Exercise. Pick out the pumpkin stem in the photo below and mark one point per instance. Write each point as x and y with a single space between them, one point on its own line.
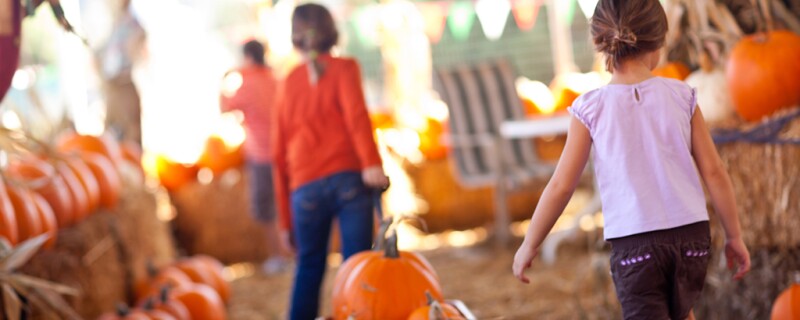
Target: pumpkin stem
164 294
380 238
149 304
123 309
152 271
391 250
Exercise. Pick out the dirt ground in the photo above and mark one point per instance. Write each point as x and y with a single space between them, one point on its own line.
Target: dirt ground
576 286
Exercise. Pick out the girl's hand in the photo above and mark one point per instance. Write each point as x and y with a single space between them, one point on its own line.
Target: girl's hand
285 243
737 255
374 177
523 260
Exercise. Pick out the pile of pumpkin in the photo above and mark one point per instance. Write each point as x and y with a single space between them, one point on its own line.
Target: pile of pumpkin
44 188
218 156
190 289
387 283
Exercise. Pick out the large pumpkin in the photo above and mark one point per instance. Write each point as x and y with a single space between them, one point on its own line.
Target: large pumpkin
10 26
387 284
45 181
202 301
48 219
107 178
674 70
763 74
29 224
219 156
8 220
787 305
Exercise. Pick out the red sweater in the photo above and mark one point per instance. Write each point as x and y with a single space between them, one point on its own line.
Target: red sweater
320 129
255 98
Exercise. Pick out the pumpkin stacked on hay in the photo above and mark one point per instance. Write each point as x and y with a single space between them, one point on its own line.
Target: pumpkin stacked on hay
91 201
748 90
386 283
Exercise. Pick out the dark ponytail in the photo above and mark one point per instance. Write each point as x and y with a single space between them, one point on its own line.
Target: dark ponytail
624 29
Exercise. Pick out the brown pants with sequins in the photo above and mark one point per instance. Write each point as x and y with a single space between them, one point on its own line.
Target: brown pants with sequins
660 274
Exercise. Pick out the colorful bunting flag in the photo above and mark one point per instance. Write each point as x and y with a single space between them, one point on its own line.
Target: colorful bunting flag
525 13
493 16
587 6
461 19
434 15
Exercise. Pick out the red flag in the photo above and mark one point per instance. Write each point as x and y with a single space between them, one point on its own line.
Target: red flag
434 15
525 13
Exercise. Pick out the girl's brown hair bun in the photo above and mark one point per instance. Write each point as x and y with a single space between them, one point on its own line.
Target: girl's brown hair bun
624 29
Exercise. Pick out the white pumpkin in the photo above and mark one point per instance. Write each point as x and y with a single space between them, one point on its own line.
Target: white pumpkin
713 96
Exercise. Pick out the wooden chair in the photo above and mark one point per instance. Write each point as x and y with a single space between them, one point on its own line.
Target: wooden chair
480 98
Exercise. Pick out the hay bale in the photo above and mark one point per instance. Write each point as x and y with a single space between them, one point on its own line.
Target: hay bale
102 255
214 219
766 179
752 297
453 207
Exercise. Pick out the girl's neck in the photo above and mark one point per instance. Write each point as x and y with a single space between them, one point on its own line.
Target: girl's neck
631 72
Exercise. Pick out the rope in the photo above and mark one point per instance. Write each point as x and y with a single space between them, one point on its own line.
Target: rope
767 132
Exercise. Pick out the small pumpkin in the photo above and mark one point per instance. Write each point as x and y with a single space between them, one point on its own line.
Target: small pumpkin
216 270
713 96
48 219
107 178
787 305
29 223
372 282
763 73
151 286
87 180
124 312
436 310
219 156
155 314
44 181
198 272
172 306
430 140
8 219
674 70
174 175
202 301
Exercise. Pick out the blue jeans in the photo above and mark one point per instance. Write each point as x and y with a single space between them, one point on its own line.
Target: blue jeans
314 206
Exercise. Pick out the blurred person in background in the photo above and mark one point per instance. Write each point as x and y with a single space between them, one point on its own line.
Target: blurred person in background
251 90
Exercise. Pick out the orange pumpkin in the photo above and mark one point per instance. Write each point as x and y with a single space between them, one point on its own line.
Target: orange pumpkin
29 224
123 312
202 301
8 219
172 306
219 156
107 178
430 140
168 277
173 175
47 183
763 74
48 219
674 70
381 120
105 145
80 200
155 314
197 272
436 310
215 269
373 282
564 98
87 181
787 305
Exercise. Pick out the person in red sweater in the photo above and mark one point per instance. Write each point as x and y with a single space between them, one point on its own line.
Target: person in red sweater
255 98
325 157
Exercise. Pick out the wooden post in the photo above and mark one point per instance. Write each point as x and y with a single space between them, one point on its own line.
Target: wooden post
560 38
